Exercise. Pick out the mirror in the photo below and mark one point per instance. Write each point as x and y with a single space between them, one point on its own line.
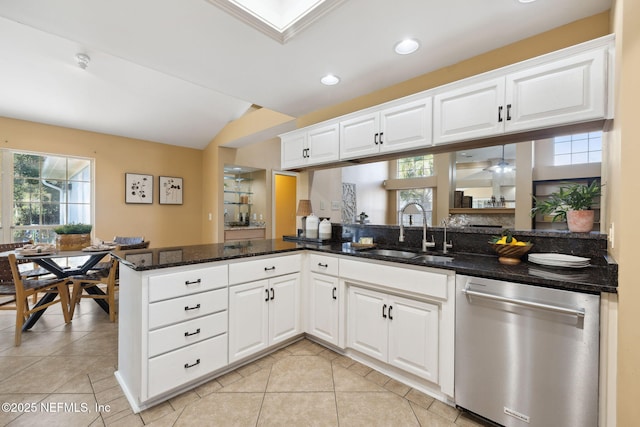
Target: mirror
245 200
348 191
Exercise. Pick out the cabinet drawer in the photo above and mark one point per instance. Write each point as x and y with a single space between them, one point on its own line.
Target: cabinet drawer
323 264
186 308
186 282
248 271
185 333
187 364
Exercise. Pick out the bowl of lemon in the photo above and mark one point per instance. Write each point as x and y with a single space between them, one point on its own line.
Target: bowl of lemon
509 249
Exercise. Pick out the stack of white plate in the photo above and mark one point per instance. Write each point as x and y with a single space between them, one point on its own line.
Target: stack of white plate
559 260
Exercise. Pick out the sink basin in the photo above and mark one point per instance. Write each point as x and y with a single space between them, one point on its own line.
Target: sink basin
392 253
432 258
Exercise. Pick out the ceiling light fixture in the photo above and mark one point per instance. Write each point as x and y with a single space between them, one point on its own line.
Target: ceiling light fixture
83 60
502 166
406 46
330 80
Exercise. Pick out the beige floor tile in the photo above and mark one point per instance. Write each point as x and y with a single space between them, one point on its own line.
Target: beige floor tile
305 348
107 396
444 410
224 409
105 383
76 384
328 354
7 416
280 354
64 410
343 361
168 420
254 383
156 412
266 362
377 377
346 380
92 344
184 399
374 409
89 323
301 373
298 409
132 420
42 344
45 376
229 378
208 388
465 421
430 419
249 369
116 408
419 398
360 369
397 387
10 365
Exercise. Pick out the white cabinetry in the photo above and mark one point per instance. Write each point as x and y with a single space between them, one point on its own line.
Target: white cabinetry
324 293
264 304
311 146
396 330
552 93
404 126
173 329
402 316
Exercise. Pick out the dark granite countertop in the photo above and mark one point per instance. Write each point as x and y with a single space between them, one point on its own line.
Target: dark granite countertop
601 276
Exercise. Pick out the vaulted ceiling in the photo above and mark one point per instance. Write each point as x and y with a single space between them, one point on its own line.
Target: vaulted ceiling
177 72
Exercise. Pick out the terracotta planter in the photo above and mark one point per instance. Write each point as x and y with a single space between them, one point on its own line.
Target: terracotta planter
73 242
580 221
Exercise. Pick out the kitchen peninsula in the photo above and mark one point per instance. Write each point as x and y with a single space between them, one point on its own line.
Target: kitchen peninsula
193 311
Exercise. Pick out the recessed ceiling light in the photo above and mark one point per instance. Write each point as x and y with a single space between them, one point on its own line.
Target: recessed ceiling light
330 80
406 46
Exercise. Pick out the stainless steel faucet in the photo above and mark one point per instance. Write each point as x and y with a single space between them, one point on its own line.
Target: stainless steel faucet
425 244
445 245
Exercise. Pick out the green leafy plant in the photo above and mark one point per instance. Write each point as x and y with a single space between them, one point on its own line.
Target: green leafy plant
73 229
573 197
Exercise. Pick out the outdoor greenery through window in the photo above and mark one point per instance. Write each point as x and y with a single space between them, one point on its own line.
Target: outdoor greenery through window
578 148
46 191
415 167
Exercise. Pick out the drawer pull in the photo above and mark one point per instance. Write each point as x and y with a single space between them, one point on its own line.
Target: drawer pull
323 265
187 308
272 268
273 293
188 334
187 366
333 293
194 282
267 298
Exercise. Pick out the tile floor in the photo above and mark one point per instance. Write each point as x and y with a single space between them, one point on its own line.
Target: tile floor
65 373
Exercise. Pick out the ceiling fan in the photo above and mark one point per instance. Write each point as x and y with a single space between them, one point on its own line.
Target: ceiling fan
502 166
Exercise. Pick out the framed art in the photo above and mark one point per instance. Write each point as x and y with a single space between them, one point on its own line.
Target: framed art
170 190
138 188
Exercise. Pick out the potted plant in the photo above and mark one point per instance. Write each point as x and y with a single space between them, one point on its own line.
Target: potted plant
73 237
572 203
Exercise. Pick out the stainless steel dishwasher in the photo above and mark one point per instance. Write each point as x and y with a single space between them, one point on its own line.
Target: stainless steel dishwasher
526 355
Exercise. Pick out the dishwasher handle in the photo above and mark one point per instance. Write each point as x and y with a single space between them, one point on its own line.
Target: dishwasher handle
571 311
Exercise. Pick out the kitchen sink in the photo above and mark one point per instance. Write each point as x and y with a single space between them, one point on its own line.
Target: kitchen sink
393 253
432 258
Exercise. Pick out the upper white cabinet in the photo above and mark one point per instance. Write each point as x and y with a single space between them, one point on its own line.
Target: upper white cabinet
563 91
404 126
311 146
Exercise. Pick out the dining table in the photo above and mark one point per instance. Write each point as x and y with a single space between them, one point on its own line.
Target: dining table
47 260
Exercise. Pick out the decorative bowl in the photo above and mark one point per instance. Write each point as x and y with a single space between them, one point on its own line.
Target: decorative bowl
510 254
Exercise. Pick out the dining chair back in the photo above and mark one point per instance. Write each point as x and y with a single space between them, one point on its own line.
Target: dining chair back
53 291
90 283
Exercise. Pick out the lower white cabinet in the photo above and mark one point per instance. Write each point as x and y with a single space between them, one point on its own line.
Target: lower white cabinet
396 330
323 307
263 313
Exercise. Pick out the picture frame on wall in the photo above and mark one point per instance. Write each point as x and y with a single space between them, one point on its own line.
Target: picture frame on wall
170 190
138 188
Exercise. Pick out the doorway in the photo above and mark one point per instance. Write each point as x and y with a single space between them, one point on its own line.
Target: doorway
284 204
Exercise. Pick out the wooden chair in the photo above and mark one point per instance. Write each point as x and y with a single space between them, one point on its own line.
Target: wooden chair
90 282
19 289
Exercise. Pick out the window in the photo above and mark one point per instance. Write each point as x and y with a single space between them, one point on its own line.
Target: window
577 149
45 191
415 167
410 168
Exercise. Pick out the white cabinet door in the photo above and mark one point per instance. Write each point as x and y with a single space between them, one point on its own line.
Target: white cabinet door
293 150
284 307
323 144
367 322
469 112
359 136
248 319
323 307
406 126
565 91
413 337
